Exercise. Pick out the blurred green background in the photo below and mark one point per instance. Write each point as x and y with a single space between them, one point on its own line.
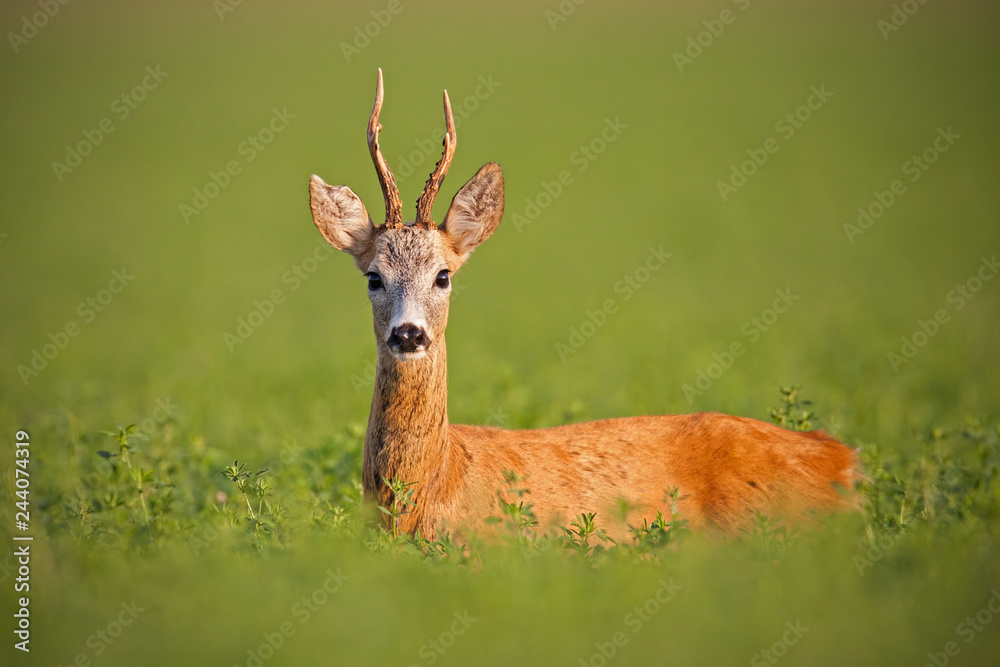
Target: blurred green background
299 381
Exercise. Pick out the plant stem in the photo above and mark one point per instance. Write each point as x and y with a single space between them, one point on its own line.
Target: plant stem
249 506
138 484
145 512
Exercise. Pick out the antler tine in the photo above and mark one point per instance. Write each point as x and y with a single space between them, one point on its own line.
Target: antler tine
393 205
425 203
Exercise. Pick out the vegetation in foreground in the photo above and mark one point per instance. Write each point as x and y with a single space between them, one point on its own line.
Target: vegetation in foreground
225 530
130 512
145 494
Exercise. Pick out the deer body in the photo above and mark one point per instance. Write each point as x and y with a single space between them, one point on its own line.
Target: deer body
724 467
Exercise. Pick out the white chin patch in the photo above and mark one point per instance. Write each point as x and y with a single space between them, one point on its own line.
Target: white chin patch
409 356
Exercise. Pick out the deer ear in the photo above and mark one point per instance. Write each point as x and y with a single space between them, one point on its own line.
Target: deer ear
476 210
341 217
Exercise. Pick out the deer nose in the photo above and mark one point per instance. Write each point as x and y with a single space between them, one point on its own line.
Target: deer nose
408 338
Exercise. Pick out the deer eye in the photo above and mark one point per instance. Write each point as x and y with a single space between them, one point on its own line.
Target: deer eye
374 281
442 279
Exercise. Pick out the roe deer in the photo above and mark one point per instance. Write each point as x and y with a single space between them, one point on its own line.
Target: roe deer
724 467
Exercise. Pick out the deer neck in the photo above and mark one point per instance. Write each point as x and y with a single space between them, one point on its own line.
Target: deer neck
407 434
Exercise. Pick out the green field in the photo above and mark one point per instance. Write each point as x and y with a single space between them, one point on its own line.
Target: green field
160 268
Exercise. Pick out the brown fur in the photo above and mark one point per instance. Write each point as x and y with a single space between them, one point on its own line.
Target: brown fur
724 467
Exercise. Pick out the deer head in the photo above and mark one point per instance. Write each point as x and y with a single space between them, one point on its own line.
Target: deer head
409 266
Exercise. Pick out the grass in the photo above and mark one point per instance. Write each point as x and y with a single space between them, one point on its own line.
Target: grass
217 489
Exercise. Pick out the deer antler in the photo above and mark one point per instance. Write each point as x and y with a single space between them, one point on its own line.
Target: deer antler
393 205
426 202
